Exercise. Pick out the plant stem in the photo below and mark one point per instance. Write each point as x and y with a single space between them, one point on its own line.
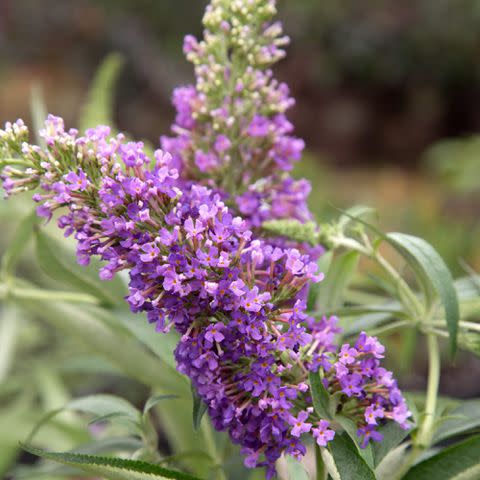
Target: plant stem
426 428
406 295
53 295
462 324
470 326
390 327
8 290
408 298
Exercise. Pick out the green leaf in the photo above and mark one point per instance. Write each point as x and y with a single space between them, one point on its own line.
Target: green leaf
464 418
364 318
103 405
293 229
17 293
161 345
433 275
176 420
351 430
470 341
324 263
98 109
124 352
393 435
107 418
296 471
152 401
468 287
352 216
9 331
329 465
111 468
392 463
349 463
332 290
88 364
56 263
320 396
47 470
18 244
199 409
460 462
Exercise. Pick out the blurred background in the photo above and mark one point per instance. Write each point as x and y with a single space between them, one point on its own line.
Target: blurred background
388 97
387 92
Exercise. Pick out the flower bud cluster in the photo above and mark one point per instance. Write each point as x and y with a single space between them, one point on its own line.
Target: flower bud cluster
231 131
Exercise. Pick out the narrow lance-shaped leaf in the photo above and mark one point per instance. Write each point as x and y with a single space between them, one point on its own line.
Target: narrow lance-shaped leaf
18 244
161 345
351 216
46 471
103 407
351 430
199 409
332 290
152 401
52 259
121 350
393 435
349 463
320 396
433 274
9 331
111 468
108 418
324 263
460 462
463 418
296 470
98 109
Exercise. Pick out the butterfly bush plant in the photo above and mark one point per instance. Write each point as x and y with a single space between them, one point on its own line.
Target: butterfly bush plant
218 246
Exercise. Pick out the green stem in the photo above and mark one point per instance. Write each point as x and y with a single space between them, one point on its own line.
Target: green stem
14 161
470 326
54 295
408 298
389 328
439 333
406 295
426 428
462 324
15 292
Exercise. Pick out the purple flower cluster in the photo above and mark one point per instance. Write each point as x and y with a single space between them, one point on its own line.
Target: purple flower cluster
371 393
238 301
231 131
185 224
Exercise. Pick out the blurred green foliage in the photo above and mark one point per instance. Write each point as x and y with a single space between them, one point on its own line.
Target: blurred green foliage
457 163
